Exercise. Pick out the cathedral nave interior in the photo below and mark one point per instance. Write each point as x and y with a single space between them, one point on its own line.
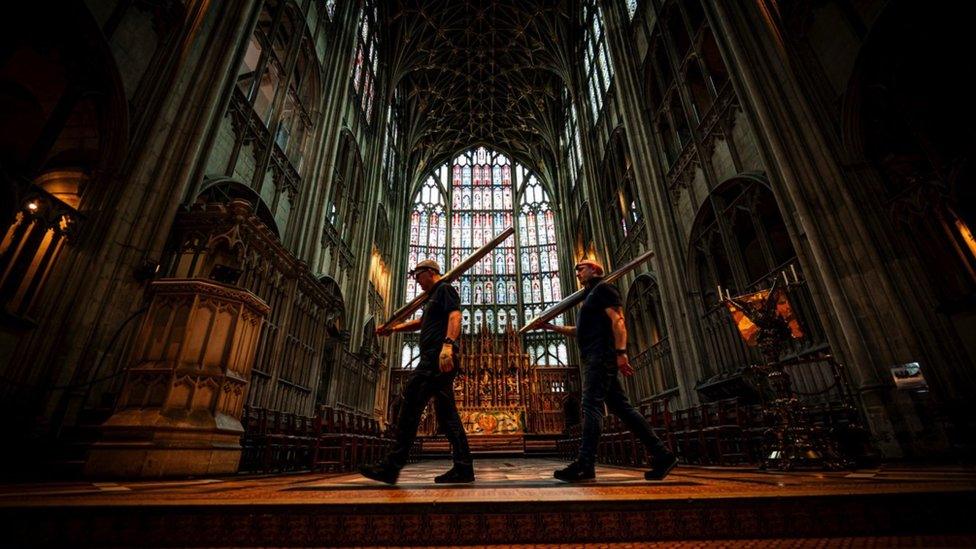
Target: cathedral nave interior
208 209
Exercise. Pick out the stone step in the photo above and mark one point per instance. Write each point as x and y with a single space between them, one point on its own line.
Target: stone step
383 522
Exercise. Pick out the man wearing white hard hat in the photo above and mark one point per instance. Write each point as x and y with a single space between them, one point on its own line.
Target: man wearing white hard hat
440 327
601 334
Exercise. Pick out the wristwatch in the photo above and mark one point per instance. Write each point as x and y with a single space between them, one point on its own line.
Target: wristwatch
620 351
449 341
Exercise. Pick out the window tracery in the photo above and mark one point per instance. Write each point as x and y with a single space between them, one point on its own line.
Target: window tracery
487 193
365 62
597 71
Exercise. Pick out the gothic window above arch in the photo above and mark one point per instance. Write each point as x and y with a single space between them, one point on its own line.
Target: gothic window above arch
648 339
391 151
365 62
263 76
488 193
347 189
597 69
619 192
295 127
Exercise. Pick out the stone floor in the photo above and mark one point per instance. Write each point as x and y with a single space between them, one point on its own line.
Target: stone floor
513 500
511 479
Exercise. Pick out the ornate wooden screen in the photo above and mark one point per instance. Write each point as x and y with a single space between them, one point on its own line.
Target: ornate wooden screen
500 392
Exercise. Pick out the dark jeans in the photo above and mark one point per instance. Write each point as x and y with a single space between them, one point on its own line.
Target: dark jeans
428 382
602 385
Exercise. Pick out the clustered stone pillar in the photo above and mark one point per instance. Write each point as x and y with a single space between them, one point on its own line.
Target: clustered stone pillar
180 409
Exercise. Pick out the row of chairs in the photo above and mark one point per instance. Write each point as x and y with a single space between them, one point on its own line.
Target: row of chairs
276 441
332 440
724 432
347 440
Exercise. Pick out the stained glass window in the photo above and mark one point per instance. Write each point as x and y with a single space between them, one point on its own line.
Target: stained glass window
541 280
631 8
485 176
488 193
428 231
596 58
391 155
571 145
365 63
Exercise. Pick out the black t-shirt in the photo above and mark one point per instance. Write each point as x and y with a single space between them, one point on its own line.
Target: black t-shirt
594 332
433 325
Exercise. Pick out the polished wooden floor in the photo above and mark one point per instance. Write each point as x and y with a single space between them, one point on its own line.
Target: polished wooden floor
512 501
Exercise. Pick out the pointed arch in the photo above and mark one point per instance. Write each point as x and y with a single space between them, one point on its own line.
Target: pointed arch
648 341
221 190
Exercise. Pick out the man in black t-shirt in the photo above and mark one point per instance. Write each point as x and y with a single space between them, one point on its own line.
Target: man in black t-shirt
601 333
440 327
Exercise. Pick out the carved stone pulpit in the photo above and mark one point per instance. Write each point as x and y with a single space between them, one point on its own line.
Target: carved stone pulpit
180 409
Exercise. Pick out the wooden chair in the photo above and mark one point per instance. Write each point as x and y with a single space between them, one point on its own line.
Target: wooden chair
723 432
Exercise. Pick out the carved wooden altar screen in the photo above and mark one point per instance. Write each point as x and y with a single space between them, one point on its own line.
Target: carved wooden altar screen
500 392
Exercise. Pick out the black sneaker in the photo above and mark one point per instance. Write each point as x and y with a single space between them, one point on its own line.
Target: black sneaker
576 472
382 472
661 466
459 474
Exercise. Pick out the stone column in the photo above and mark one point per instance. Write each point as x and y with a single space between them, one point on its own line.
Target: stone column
865 319
180 408
663 233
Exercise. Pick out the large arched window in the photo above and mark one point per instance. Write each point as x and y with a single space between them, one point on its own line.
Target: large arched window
597 70
482 206
262 76
487 193
365 63
571 144
428 231
540 267
620 196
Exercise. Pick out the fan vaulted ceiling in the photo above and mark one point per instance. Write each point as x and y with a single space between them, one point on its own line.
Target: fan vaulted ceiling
480 72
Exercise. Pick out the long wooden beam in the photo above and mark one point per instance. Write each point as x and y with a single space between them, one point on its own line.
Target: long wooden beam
404 312
576 297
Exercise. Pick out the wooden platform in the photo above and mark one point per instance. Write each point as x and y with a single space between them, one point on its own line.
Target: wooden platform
513 501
